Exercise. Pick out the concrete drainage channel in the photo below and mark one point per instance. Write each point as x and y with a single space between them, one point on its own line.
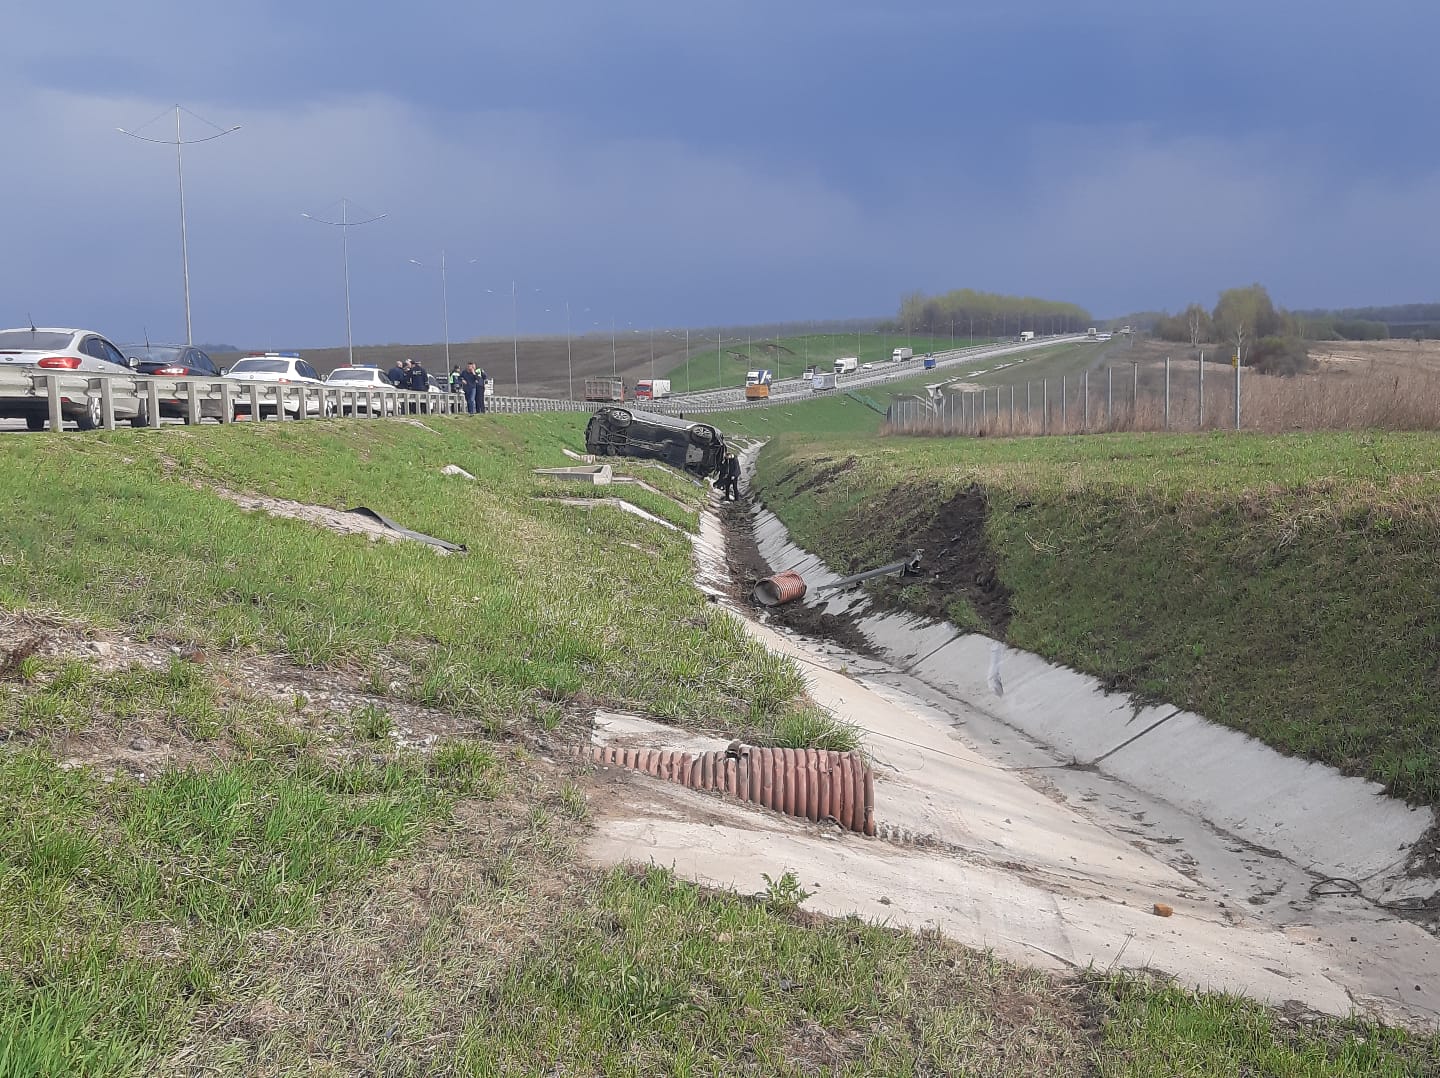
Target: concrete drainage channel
1029 813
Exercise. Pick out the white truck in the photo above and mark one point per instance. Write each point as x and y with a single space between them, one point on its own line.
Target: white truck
652 389
822 380
847 365
1027 335
902 354
1092 333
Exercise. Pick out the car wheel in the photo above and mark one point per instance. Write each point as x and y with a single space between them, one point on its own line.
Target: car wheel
142 417
91 418
34 422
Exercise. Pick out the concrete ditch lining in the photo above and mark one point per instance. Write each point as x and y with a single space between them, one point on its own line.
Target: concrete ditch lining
1331 824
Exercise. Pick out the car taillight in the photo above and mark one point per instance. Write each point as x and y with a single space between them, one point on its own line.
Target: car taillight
173 370
65 363
283 381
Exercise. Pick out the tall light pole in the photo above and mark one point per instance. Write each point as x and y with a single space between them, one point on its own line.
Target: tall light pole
515 334
614 364
444 312
345 225
180 174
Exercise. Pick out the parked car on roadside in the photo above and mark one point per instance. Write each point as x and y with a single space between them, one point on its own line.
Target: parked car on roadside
286 368
361 378
694 447
63 351
177 361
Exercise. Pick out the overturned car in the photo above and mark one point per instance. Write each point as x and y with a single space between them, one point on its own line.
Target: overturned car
626 432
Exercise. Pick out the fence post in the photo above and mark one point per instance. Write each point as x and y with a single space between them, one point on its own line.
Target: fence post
192 403
982 405
1237 390
1110 396
1134 393
107 404
1064 429
255 416
302 394
52 392
1029 412
1200 417
227 404
1085 410
1167 392
280 403
1044 406
1012 407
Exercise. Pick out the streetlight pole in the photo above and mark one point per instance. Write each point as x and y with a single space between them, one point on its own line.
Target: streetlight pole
569 364
180 174
444 312
614 364
515 334
687 359
345 225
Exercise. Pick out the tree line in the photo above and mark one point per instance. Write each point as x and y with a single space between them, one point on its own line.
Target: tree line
968 313
1246 322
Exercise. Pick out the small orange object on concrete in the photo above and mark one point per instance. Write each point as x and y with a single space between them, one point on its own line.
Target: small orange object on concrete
1162 910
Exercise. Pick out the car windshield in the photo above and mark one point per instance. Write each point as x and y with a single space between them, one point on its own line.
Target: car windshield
351 376
262 366
154 353
37 340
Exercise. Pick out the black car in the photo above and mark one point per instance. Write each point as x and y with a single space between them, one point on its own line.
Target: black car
624 432
176 361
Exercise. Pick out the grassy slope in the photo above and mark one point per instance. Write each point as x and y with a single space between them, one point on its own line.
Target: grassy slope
299 894
1284 586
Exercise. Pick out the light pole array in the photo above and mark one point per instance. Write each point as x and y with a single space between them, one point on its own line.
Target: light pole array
345 225
180 174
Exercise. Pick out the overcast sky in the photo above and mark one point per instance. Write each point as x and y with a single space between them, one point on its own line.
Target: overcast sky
672 163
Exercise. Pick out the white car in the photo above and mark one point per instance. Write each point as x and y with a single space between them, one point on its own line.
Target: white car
867 366
362 379
286 368
62 351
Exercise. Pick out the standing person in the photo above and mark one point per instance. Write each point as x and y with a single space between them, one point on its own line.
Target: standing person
396 374
480 390
419 383
732 478
470 383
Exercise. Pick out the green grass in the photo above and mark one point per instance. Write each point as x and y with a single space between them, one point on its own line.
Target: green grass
551 604
1280 585
294 893
789 356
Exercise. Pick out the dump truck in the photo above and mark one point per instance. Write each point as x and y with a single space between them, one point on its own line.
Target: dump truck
652 389
604 389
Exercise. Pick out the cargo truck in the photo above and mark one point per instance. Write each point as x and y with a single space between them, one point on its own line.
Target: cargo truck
847 365
1027 335
902 354
822 380
604 389
652 389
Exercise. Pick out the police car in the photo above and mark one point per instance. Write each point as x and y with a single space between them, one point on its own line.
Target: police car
285 368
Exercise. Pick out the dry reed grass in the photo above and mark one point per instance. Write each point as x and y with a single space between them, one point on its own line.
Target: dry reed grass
1366 395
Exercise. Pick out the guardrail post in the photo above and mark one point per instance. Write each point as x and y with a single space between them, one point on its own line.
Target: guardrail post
1085 392
227 403
1064 386
280 403
1012 407
1044 406
254 403
1134 394
302 394
1110 396
107 404
1237 391
52 393
152 403
192 402
1200 415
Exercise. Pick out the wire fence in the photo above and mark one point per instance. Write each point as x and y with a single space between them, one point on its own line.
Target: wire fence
1183 395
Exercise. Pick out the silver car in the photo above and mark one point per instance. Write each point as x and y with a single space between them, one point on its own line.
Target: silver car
61 351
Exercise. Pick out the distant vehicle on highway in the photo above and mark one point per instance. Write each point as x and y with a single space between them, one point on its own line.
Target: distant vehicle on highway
847 365
176 361
284 367
901 354
604 389
362 379
650 389
867 366
62 351
821 380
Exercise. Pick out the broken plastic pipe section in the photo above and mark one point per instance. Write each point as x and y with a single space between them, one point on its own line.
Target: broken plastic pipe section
788 586
811 784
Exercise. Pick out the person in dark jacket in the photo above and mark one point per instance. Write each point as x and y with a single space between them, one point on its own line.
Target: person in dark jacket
730 478
480 390
419 382
471 383
396 374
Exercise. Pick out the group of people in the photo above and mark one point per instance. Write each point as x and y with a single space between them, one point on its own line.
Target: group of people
408 374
